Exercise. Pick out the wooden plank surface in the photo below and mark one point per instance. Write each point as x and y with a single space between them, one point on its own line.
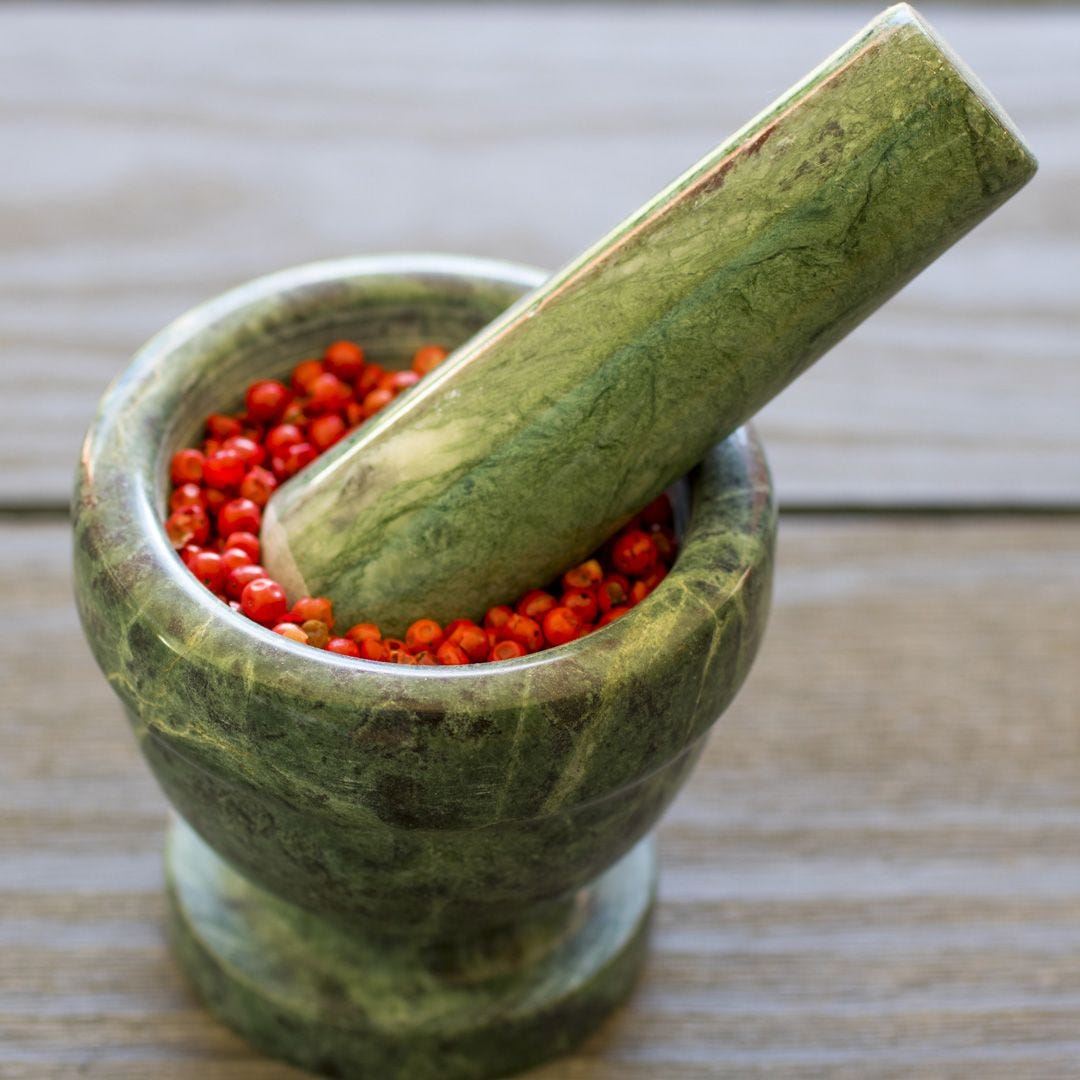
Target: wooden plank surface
154 155
875 871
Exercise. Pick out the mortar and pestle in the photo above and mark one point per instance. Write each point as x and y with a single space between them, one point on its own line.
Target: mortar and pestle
384 871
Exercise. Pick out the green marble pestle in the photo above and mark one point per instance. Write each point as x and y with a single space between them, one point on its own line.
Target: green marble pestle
551 426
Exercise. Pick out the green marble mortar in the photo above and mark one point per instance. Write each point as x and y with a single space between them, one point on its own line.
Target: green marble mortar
400 872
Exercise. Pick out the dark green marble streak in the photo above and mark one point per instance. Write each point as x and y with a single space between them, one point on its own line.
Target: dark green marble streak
595 392
443 820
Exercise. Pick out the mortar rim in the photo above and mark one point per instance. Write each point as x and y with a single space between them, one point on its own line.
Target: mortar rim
138 387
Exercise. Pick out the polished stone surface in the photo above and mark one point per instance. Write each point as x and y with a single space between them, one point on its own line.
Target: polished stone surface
414 809
594 393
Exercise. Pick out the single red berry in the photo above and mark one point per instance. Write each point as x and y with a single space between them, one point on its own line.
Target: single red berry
188 494
658 512
427 358
223 427
633 552
239 515
376 400
263 600
354 413
317 631
345 359
251 453
364 631
560 626
525 631
398 381
404 380
188 525
638 591
372 649
324 431
472 640
224 469
369 379
186 467
233 557
246 540
583 575
613 591
304 374
209 568
239 579
535 604
296 457
582 602
342 646
294 414
266 400
258 485
328 394
188 552
314 607
612 615
292 632
507 650
449 653
497 617
280 438
423 634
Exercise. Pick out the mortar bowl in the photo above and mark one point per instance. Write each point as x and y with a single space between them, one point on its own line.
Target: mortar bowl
389 871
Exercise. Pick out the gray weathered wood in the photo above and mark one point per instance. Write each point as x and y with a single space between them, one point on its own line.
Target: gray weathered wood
873 873
154 155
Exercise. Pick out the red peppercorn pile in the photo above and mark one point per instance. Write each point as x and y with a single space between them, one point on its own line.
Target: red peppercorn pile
219 490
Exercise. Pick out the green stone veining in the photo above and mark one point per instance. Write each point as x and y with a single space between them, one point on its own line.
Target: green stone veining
593 393
396 872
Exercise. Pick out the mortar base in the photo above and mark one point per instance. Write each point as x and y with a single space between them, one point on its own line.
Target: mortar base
340 1003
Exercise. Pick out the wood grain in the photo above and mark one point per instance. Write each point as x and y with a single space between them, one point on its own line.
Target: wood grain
154 155
874 872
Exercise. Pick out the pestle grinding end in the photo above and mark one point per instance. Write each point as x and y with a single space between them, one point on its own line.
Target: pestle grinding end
545 431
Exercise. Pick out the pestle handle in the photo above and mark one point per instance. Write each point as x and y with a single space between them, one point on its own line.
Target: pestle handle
538 437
